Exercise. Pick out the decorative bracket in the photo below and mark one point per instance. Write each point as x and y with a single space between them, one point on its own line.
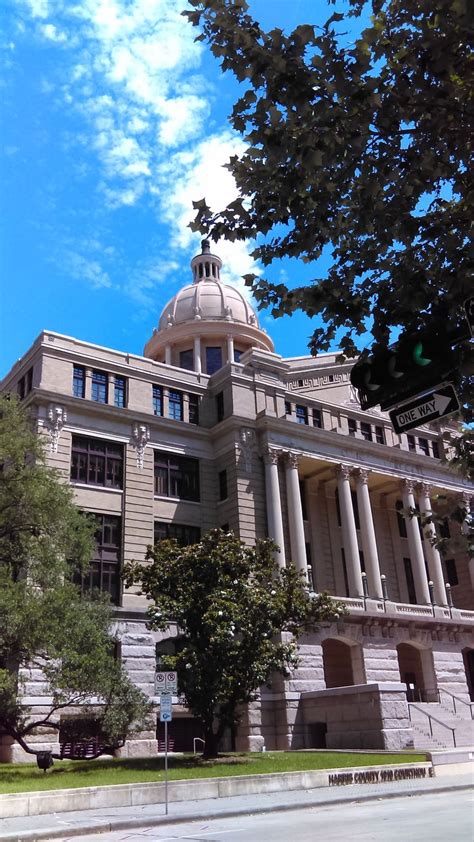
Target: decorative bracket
140 437
57 417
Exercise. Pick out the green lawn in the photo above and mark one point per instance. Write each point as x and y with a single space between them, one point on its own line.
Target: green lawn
67 774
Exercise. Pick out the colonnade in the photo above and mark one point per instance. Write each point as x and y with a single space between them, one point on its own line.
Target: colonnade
344 473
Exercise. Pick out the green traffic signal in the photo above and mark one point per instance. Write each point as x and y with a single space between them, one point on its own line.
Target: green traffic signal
418 355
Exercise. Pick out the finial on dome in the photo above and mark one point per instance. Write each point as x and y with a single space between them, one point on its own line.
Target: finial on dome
206 246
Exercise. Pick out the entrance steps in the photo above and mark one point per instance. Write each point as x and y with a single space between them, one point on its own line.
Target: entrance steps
437 726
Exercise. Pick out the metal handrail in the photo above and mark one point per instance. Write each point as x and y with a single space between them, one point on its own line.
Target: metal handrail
456 699
197 740
430 718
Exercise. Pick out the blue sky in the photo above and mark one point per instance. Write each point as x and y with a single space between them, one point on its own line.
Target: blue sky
114 120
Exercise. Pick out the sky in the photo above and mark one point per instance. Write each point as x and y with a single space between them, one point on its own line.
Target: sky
113 121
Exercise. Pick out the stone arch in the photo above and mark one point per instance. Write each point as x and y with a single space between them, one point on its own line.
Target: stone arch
417 672
468 660
343 662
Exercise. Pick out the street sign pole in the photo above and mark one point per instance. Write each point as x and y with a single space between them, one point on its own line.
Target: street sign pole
166 767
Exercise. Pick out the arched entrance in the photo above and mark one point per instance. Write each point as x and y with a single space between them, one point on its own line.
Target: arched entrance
343 663
468 658
417 672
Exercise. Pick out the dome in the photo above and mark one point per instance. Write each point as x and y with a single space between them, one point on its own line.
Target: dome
207 298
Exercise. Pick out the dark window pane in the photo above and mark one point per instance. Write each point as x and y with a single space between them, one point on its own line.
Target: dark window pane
222 485
344 570
352 423
444 528
451 572
303 499
410 581
366 431
411 443
362 561
119 391
193 409
29 381
213 359
402 524
175 405
435 449
176 476
338 508
186 359
99 386
301 414
355 507
423 445
220 406
104 571
97 462
157 400
287 408
237 355
21 388
317 418
379 435
79 381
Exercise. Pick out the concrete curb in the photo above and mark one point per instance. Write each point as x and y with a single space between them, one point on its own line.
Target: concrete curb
107 825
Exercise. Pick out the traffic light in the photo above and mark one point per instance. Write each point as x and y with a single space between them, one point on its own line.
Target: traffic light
414 364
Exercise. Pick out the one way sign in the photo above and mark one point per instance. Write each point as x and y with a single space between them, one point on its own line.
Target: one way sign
429 407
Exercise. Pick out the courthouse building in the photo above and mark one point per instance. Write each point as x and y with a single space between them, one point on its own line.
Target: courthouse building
211 427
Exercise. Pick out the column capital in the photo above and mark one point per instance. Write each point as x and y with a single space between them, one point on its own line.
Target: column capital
270 456
362 475
343 471
425 488
408 485
291 459
465 499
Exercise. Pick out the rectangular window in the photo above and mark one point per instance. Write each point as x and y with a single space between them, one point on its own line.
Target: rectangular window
287 408
237 355
119 391
97 462
194 409
344 570
379 435
157 400
176 476
402 524
451 572
355 508
303 499
423 445
444 530
21 388
79 381
184 535
100 382
410 581
213 359
223 485
366 431
186 359
352 423
435 449
411 443
220 406
175 405
362 561
317 418
104 571
301 414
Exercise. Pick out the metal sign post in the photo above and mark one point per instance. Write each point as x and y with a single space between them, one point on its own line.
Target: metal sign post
166 715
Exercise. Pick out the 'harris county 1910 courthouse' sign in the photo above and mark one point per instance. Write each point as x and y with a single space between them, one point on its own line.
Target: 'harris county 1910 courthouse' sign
380 776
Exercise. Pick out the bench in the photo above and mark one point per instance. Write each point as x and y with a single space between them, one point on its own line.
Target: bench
80 750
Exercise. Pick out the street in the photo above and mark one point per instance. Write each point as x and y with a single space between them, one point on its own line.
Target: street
437 817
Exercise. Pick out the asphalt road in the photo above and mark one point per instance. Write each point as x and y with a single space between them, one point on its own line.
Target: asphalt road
434 817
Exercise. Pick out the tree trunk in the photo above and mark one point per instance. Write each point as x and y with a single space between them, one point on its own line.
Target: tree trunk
211 747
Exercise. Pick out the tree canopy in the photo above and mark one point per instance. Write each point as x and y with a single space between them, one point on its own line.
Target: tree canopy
358 144
232 606
47 629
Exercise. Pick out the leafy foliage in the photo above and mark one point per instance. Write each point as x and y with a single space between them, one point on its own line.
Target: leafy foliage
361 147
45 625
233 608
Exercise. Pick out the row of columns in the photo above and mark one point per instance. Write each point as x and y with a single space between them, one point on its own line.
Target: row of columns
344 473
198 353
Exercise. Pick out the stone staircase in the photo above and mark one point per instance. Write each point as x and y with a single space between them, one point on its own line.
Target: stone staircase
437 725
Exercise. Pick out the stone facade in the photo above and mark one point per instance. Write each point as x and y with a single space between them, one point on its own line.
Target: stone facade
212 428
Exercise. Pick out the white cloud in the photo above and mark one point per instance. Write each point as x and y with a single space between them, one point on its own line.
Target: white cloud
52 34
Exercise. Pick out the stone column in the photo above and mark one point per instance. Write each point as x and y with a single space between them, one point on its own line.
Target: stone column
273 501
230 349
349 532
434 559
369 543
415 545
465 503
295 514
168 354
197 355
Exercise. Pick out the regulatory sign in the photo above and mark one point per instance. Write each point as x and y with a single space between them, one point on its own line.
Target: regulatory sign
428 407
166 681
166 707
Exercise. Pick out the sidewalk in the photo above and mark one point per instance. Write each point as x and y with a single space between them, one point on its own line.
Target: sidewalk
62 825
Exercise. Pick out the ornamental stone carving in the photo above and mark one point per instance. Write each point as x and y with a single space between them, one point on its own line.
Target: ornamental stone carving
292 459
270 456
140 437
247 445
344 471
57 417
408 485
362 475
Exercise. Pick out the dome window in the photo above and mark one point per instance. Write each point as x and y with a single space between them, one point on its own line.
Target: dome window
213 359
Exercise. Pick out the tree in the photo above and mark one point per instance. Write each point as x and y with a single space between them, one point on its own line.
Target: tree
45 623
363 147
232 607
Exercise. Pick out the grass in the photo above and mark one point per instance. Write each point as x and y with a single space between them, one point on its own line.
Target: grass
67 774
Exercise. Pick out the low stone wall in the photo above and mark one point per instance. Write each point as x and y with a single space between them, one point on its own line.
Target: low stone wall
365 716
129 795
